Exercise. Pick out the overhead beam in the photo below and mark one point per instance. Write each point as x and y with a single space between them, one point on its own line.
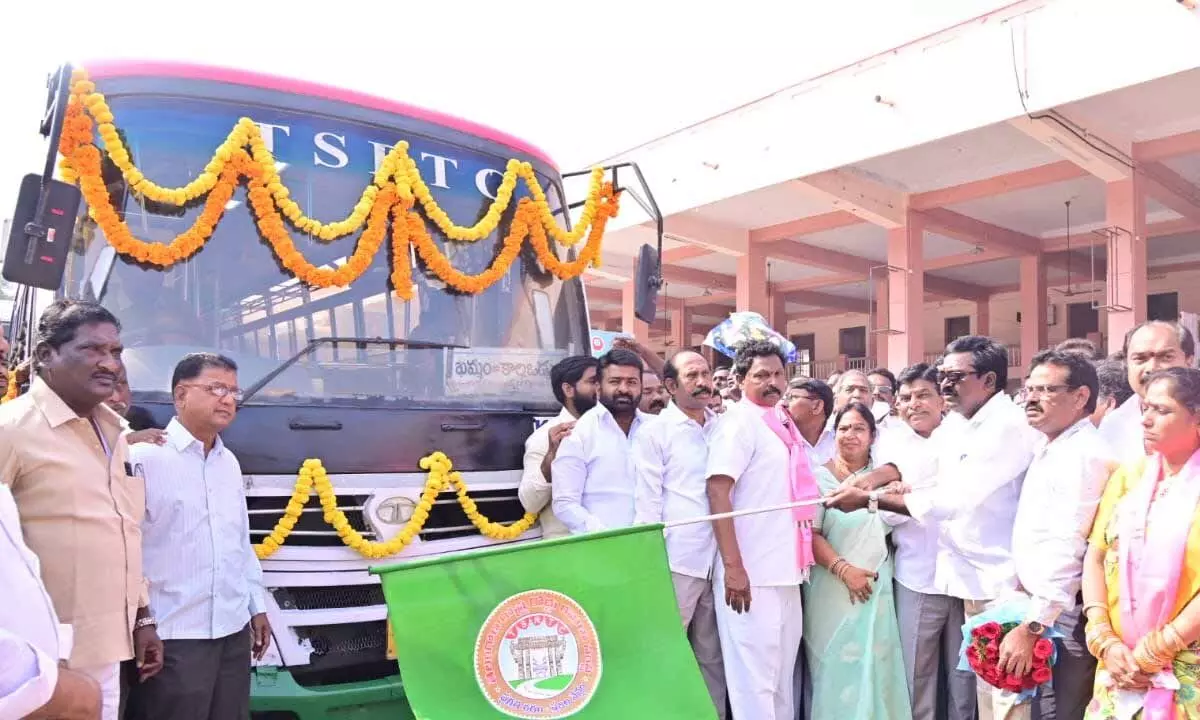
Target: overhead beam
977 232
818 257
860 196
1057 172
810 225
825 300
949 287
1076 146
1158 229
1187 143
602 294
1171 189
690 228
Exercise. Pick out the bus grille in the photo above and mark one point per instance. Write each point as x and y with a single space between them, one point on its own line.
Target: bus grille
333 597
446 519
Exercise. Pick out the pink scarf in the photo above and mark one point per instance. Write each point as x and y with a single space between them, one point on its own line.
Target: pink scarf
1150 561
800 480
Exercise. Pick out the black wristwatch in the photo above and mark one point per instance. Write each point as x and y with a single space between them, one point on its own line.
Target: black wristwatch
1035 627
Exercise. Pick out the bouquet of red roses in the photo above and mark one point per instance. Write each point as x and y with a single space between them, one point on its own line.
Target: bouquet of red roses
982 637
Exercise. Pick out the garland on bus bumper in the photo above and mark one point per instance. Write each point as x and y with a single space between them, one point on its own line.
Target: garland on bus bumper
441 477
396 192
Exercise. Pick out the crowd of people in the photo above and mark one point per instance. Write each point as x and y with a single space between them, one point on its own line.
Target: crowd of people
828 540
913 502
130 588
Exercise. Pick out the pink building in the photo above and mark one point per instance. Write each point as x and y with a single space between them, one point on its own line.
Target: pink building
1033 174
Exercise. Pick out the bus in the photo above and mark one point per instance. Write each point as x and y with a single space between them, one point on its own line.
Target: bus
354 376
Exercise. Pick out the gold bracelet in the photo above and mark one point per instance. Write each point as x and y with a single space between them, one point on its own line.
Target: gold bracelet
1148 658
1107 645
1087 607
1174 641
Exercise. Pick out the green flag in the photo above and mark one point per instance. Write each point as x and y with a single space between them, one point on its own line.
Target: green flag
583 626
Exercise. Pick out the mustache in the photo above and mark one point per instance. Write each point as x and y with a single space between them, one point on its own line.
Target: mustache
702 391
1033 406
771 390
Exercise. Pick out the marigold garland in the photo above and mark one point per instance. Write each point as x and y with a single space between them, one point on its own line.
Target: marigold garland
14 387
441 477
395 192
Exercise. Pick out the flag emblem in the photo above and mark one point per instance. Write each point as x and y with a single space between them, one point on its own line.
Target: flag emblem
538 656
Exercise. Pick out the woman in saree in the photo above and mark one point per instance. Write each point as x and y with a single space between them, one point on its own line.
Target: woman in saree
852 641
1142 568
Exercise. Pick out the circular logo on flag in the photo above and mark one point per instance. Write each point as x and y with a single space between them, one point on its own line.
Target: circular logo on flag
597 343
537 656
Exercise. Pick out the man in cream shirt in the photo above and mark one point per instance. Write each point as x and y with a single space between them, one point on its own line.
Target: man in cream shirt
669 456
574 381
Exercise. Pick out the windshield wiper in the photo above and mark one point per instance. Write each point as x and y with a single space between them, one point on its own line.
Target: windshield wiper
361 342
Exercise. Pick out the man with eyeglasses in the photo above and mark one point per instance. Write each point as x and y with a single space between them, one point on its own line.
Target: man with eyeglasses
810 403
974 494
205 580
1062 489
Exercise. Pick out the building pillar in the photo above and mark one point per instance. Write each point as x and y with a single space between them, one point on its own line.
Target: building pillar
1033 309
1125 208
681 324
878 329
983 317
752 291
630 325
778 317
906 294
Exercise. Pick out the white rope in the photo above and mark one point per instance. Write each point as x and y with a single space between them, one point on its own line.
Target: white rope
740 513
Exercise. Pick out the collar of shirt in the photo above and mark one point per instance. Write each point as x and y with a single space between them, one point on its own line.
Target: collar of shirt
994 407
58 413
605 417
1044 443
182 439
673 414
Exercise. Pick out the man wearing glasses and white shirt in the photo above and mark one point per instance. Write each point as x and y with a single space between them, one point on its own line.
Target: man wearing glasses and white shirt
978 484
670 456
32 642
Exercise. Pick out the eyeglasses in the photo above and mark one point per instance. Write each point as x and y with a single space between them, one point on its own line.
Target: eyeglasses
1031 390
848 389
218 390
954 377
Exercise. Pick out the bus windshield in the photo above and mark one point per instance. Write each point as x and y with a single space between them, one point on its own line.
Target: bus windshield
235 298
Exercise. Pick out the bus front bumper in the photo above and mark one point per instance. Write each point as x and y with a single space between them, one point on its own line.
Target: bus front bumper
275 695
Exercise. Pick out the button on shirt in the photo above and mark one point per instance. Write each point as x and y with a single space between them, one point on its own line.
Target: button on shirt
593 473
534 490
670 462
31 639
205 581
1058 503
1122 430
974 500
744 448
80 514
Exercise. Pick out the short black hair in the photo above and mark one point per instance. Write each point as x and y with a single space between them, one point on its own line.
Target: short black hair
919 371
1114 381
621 358
671 370
862 410
1185 386
819 389
748 352
1183 336
887 374
63 318
1082 346
1081 372
987 355
192 364
570 370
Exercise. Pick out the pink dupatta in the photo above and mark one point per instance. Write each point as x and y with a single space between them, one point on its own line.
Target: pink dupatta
800 480
1150 561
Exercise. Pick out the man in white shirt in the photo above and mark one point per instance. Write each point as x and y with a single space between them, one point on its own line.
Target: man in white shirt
810 403
669 458
930 621
593 469
205 580
973 498
32 641
1114 388
574 381
757 583
655 395
1058 503
1153 345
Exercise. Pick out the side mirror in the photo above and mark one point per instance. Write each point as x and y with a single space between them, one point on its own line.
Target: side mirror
646 282
40 236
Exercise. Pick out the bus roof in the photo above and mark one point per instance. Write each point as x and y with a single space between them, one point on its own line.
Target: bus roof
101 69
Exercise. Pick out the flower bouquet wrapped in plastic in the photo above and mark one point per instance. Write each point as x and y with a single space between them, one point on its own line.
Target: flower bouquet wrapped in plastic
980 651
743 327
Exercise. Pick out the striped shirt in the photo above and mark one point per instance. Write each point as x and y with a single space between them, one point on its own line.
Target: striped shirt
205 581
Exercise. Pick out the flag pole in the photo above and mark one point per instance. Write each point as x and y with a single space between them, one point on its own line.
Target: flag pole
740 513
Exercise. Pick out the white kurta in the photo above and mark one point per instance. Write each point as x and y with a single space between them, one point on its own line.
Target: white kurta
760 646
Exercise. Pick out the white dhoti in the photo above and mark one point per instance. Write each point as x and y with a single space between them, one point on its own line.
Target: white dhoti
760 648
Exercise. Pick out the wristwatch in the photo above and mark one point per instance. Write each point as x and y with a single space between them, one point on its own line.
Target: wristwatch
146 621
1035 627
873 501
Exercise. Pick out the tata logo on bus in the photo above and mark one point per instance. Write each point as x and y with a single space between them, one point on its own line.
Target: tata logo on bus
329 151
